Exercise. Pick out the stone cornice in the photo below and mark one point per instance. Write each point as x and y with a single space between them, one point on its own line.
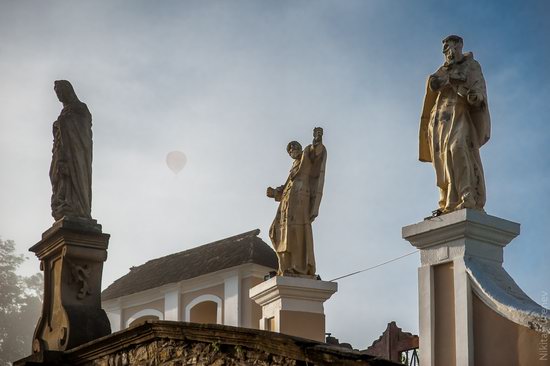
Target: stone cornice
462 224
294 288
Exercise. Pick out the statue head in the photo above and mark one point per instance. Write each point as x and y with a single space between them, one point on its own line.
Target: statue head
65 92
294 149
452 49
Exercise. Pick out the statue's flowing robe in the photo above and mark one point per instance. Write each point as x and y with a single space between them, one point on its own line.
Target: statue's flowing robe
300 197
71 167
451 132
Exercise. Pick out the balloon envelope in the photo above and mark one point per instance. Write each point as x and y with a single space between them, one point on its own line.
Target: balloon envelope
176 161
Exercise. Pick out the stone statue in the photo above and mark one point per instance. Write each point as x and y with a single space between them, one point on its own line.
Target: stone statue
71 167
73 249
299 199
454 124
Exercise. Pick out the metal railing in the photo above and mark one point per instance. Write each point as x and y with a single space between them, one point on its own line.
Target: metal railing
410 357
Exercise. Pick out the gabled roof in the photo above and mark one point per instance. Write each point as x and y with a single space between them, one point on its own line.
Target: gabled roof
207 258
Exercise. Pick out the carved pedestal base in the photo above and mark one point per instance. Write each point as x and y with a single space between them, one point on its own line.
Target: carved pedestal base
294 305
71 255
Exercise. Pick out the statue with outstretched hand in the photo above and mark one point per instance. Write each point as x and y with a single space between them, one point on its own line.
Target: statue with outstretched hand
299 199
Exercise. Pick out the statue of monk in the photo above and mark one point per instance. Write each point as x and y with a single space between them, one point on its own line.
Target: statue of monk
454 124
299 198
71 167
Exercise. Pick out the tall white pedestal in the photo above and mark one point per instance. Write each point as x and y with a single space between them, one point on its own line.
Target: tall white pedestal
471 310
294 305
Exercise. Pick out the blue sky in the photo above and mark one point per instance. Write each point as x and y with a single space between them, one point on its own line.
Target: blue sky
229 83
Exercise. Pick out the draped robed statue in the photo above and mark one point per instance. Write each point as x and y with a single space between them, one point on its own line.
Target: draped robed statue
300 197
73 249
454 124
71 167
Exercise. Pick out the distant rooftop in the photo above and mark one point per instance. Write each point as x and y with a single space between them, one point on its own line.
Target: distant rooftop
222 254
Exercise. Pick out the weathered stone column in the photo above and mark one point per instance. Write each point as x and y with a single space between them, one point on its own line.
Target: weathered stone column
468 304
71 254
294 305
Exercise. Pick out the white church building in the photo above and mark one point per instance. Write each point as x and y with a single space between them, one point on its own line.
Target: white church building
206 284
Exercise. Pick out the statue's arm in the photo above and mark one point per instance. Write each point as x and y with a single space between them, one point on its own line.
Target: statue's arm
439 80
279 193
275 193
476 88
61 155
317 147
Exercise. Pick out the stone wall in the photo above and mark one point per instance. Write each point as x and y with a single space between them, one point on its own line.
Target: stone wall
169 343
172 353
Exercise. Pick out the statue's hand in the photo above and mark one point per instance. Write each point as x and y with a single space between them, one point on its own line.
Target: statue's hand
318 132
317 135
474 98
439 81
270 192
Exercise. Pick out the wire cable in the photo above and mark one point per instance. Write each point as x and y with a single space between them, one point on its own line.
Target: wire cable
376 266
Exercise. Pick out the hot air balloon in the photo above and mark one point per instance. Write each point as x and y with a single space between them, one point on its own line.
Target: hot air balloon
176 161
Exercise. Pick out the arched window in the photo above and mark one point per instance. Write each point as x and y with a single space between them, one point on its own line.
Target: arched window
204 309
143 315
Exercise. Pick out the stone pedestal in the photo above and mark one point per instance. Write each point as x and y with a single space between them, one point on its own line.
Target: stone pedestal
294 305
71 254
471 310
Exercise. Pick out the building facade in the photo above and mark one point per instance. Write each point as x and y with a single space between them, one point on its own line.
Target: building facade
206 284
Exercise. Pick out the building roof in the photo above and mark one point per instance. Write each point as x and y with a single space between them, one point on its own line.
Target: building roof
226 253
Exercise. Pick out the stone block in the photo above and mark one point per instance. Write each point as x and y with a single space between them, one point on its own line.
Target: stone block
294 305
